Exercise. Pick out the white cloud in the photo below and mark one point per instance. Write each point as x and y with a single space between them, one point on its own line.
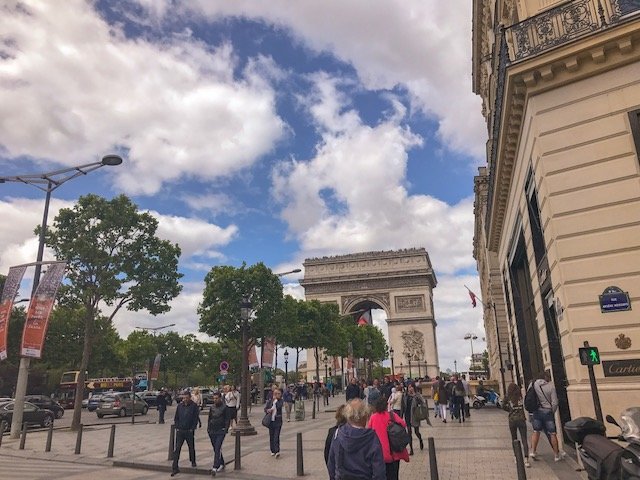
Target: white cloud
81 86
421 45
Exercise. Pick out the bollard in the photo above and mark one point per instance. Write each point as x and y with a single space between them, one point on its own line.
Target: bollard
47 447
79 440
299 457
172 437
112 441
23 436
313 411
2 429
433 463
517 449
237 465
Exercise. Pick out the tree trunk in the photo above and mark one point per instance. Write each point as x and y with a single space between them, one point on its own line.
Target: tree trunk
317 357
84 363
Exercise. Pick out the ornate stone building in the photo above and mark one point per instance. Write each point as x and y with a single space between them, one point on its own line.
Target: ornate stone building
557 237
400 283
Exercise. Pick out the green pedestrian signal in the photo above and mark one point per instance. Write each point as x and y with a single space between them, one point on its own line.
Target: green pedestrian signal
589 356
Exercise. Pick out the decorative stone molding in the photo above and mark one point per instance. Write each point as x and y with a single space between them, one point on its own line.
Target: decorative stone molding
410 303
349 301
413 345
365 285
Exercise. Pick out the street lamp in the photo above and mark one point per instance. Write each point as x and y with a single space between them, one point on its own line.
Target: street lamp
401 369
155 329
393 373
409 359
326 368
286 367
47 182
295 270
244 427
471 337
455 366
369 355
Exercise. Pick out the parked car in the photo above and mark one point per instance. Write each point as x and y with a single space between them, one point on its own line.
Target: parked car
121 404
207 396
85 402
149 397
47 403
33 415
94 402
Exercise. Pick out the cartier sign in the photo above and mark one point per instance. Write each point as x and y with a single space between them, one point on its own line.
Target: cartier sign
621 368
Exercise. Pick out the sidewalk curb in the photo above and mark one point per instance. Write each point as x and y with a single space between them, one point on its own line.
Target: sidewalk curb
160 468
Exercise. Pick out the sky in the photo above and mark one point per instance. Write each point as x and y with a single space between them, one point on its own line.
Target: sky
253 131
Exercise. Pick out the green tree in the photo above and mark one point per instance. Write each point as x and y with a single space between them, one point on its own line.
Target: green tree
115 257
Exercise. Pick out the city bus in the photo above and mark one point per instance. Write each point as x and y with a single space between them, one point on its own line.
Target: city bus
66 392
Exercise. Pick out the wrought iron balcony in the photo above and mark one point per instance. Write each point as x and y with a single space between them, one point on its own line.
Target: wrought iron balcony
566 22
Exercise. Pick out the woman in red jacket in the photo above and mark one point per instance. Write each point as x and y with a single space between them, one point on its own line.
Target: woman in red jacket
378 422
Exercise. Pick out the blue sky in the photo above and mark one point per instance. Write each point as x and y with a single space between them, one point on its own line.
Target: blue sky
253 132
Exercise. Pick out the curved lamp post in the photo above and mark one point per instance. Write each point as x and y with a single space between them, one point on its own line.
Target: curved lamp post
47 182
471 337
286 367
393 371
244 427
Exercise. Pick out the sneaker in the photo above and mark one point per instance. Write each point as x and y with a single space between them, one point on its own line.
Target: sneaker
272 454
175 472
527 464
220 468
193 464
533 455
278 455
560 456
213 472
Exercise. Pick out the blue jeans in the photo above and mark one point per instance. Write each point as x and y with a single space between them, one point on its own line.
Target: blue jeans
216 442
543 419
274 436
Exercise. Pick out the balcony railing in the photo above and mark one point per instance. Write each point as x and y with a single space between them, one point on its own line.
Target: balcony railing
566 22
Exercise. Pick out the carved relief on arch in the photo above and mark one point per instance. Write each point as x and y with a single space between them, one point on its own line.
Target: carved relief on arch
382 299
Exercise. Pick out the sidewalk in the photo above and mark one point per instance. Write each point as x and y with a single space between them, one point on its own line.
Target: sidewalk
480 448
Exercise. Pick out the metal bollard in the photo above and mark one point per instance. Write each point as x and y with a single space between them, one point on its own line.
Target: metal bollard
112 441
517 449
47 447
313 411
299 456
237 464
79 440
172 439
23 436
433 463
2 429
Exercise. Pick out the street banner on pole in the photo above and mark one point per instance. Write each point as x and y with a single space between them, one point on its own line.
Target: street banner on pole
155 370
253 357
268 347
9 292
35 327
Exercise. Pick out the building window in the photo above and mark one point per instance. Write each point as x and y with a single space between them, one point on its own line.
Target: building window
537 234
634 120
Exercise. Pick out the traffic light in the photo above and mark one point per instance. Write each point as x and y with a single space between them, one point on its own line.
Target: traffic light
589 356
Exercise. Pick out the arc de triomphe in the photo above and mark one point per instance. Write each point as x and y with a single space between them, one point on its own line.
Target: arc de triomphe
399 282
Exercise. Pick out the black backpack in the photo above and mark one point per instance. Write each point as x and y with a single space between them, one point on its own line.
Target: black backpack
531 400
398 436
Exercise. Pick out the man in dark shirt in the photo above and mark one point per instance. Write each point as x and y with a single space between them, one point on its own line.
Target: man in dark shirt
186 421
217 428
353 390
161 404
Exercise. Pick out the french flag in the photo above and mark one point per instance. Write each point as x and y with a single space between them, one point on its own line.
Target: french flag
365 318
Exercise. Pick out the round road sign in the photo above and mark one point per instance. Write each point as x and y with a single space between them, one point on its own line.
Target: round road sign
224 365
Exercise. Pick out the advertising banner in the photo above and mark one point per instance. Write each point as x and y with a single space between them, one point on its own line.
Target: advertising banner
35 328
155 370
268 350
253 357
9 292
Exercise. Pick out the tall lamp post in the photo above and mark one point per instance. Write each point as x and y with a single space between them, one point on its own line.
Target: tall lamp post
47 182
401 369
155 330
471 337
286 367
326 368
244 427
409 359
369 379
393 370
455 366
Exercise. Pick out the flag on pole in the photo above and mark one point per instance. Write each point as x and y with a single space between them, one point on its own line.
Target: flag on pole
365 318
473 298
10 290
268 348
253 357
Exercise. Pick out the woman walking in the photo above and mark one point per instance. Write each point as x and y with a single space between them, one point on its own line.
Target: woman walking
415 409
395 400
274 407
517 418
443 400
379 422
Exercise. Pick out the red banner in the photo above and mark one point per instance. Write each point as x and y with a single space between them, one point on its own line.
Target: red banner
155 370
9 292
35 328
268 350
253 357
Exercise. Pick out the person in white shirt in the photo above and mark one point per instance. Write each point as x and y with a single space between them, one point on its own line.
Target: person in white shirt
232 401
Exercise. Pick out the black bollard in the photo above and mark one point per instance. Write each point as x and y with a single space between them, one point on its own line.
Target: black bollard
2 429
237 464
517 449
172 437
313 412
112 441
299 456
433 463
23 436
47 447
79 440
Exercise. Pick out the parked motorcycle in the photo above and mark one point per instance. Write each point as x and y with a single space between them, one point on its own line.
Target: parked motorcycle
602 458
489 397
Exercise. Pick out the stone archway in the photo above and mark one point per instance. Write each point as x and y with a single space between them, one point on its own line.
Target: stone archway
399 282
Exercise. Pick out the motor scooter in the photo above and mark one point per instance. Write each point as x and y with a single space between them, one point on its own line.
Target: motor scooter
602 458
489 397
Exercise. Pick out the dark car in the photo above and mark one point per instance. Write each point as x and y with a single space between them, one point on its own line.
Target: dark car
47 403
149 397
32 415
121 404
94 402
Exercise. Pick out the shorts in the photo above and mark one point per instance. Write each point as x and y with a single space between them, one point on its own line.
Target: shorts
233 412
543 419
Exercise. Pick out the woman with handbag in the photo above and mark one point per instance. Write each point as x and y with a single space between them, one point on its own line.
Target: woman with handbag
273 416
380 422
415 409
517 418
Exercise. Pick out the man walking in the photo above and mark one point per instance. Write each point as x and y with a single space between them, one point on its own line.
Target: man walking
161 404
353 390
217 428
186 421
543 419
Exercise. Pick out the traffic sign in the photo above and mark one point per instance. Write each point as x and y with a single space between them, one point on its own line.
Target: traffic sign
224 365
224 373
589 356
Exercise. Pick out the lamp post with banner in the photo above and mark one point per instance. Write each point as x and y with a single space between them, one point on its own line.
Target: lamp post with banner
47 182
286 367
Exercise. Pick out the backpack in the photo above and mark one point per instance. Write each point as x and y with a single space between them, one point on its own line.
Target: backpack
398 436
531 400
421 412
